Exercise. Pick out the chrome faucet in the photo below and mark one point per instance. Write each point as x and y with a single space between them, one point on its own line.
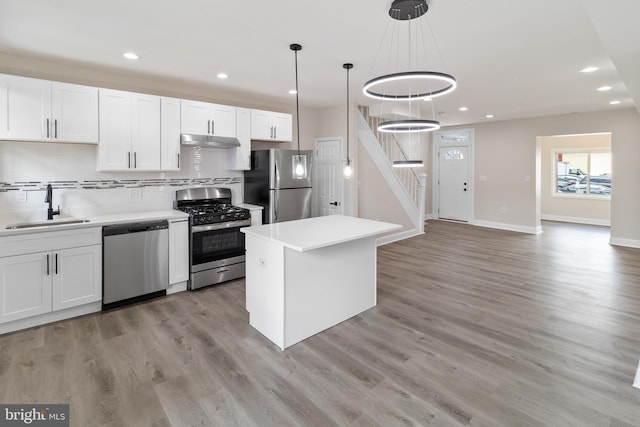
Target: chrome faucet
49 199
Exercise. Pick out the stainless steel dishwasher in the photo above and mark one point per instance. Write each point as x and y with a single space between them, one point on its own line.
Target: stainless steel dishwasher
135 262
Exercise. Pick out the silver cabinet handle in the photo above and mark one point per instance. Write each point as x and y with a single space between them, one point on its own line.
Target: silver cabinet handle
178 160
56 264
129 161
47 264
55 128
47 128
209 127
135 159
275 132
271 132
213 127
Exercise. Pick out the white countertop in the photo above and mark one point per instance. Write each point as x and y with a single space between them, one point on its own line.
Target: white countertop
248 206
313 233
97 221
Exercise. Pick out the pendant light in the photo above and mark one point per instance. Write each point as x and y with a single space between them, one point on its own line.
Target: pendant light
347 167
299 161
411 85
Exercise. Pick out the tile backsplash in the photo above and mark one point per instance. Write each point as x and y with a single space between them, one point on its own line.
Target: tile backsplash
27 167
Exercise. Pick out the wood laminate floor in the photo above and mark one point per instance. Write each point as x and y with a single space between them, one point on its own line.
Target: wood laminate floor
473 327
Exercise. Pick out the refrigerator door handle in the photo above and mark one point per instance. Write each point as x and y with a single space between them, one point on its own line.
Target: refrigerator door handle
275 206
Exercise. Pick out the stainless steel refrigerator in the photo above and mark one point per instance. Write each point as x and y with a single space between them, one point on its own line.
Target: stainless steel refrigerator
270 184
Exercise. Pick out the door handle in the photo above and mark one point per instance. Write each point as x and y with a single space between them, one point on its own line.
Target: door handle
336 203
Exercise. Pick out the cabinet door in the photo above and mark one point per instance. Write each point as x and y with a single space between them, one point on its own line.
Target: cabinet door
145 138
25 286
261 126
178 252
224 120
283 124
25 108
195 117
74 111
170 134
114 150
240 158
77 276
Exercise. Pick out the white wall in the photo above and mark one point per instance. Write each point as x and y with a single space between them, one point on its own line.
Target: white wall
506 154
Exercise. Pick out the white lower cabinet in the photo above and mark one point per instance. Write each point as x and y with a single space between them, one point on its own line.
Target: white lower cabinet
178 252
25 286
67 274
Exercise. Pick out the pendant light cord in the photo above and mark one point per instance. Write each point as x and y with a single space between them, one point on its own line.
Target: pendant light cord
297 103
348 108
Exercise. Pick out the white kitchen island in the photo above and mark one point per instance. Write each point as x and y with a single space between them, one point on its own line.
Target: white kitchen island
305 276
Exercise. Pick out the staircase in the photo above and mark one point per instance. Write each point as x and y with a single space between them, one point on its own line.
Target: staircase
406 184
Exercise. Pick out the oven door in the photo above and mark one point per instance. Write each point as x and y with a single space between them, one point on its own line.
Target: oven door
216 245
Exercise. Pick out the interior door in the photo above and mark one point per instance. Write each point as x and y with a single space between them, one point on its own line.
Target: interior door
453 183
329 177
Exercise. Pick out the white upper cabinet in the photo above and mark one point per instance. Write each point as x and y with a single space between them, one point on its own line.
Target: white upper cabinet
240 158
41 110
203 118
271 126
129 131
170 134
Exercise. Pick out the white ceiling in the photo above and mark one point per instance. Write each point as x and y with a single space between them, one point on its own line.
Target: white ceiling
511 58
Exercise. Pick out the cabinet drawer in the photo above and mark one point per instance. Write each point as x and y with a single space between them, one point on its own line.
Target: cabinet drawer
50 240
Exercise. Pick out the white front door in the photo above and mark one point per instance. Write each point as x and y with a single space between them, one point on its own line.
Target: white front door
329 176
453 183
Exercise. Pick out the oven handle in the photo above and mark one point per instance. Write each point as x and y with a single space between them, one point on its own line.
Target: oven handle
221 225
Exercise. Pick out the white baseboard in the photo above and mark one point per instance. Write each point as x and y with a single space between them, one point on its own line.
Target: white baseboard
629 243
55 316
577 220
428 216
177 287
508 227
397 236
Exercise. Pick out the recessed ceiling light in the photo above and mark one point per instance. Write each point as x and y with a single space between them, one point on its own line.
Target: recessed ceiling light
463 108
222 76
489 116
604 88
589 69
614 102
293 92
130 55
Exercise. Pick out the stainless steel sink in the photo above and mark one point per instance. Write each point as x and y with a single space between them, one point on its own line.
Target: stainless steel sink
46 223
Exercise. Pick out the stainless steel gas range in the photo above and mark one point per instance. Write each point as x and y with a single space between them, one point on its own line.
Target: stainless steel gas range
217 245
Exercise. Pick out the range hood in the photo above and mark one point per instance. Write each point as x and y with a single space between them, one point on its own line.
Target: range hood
208 141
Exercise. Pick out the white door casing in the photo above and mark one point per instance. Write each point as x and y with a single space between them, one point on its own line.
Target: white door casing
329 176
453 194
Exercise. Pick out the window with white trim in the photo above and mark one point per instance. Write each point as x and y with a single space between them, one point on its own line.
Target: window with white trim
583 173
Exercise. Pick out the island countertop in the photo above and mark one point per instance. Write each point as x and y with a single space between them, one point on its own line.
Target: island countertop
313 233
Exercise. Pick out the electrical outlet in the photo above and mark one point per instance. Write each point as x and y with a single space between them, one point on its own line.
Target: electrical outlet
22 196
503 209
135 192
